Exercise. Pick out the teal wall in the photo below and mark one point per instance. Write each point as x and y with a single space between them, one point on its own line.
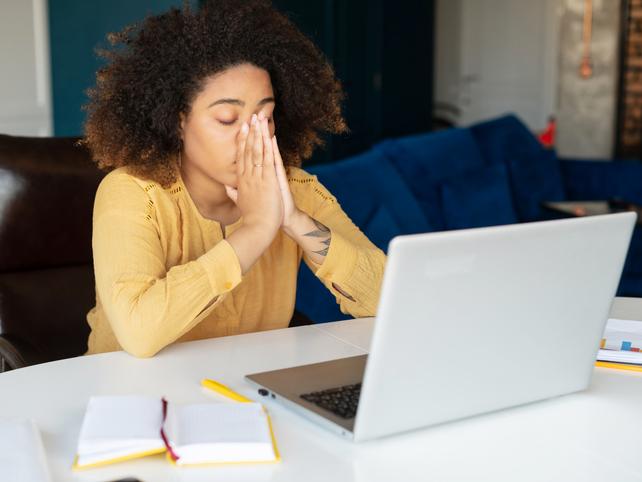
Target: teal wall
76 27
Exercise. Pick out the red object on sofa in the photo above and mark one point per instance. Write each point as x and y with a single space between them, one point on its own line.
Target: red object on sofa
547 136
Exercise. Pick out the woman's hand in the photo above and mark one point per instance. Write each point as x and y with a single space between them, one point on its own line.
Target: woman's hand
290 211
258 193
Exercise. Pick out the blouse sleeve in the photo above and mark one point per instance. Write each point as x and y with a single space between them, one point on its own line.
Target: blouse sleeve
353 263
147 305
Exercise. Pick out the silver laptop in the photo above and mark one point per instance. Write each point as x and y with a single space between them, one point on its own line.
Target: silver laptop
470 321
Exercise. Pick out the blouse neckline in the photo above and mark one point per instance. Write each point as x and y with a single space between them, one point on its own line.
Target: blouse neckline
193 206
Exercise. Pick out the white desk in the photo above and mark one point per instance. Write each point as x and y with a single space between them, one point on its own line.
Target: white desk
593 435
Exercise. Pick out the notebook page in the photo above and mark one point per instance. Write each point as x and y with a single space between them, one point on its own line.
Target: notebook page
22 455
121 422
114 455
221 423
629 357
220 433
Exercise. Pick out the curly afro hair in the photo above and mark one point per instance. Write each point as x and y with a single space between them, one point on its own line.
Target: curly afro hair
157 67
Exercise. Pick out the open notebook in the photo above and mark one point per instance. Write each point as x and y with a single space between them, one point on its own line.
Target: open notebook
118 428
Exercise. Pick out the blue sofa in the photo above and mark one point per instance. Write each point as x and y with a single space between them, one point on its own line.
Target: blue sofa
491 173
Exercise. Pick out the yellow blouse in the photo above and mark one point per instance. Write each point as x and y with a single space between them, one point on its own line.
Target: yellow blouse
164 273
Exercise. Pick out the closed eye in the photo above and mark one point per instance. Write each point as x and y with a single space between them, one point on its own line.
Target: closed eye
229 123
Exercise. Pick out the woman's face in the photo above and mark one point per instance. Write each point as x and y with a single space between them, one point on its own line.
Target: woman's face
209 132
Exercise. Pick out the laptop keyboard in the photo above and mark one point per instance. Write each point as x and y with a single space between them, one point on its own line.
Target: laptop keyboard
341 401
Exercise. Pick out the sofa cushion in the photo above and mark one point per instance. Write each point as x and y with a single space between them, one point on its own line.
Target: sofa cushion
535 172
374 196
534 181
504 137
480 197
591 180
425 160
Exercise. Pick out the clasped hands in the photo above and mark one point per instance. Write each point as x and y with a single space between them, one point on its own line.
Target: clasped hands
262 194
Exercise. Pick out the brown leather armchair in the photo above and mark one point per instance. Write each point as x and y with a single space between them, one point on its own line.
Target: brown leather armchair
47 189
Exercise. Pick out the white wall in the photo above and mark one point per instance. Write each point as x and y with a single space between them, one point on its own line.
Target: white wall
25 75
498 56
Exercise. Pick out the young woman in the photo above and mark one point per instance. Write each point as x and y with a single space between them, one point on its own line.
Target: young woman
201 225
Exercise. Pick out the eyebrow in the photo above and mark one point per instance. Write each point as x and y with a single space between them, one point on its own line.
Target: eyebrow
240 102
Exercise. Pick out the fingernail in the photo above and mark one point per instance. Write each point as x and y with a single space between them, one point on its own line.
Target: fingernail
245 128
253 119
261 116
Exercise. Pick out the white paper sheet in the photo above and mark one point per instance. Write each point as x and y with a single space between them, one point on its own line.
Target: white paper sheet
22 455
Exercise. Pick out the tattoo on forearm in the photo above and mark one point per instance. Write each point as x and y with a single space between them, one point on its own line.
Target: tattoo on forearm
323 252
322 231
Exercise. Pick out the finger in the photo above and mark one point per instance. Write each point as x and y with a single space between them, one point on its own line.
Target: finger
249 145
257 149
240 150
268 153
280 168
232 193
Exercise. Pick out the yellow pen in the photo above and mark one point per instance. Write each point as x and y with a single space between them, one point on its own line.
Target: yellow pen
619 366
223 390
